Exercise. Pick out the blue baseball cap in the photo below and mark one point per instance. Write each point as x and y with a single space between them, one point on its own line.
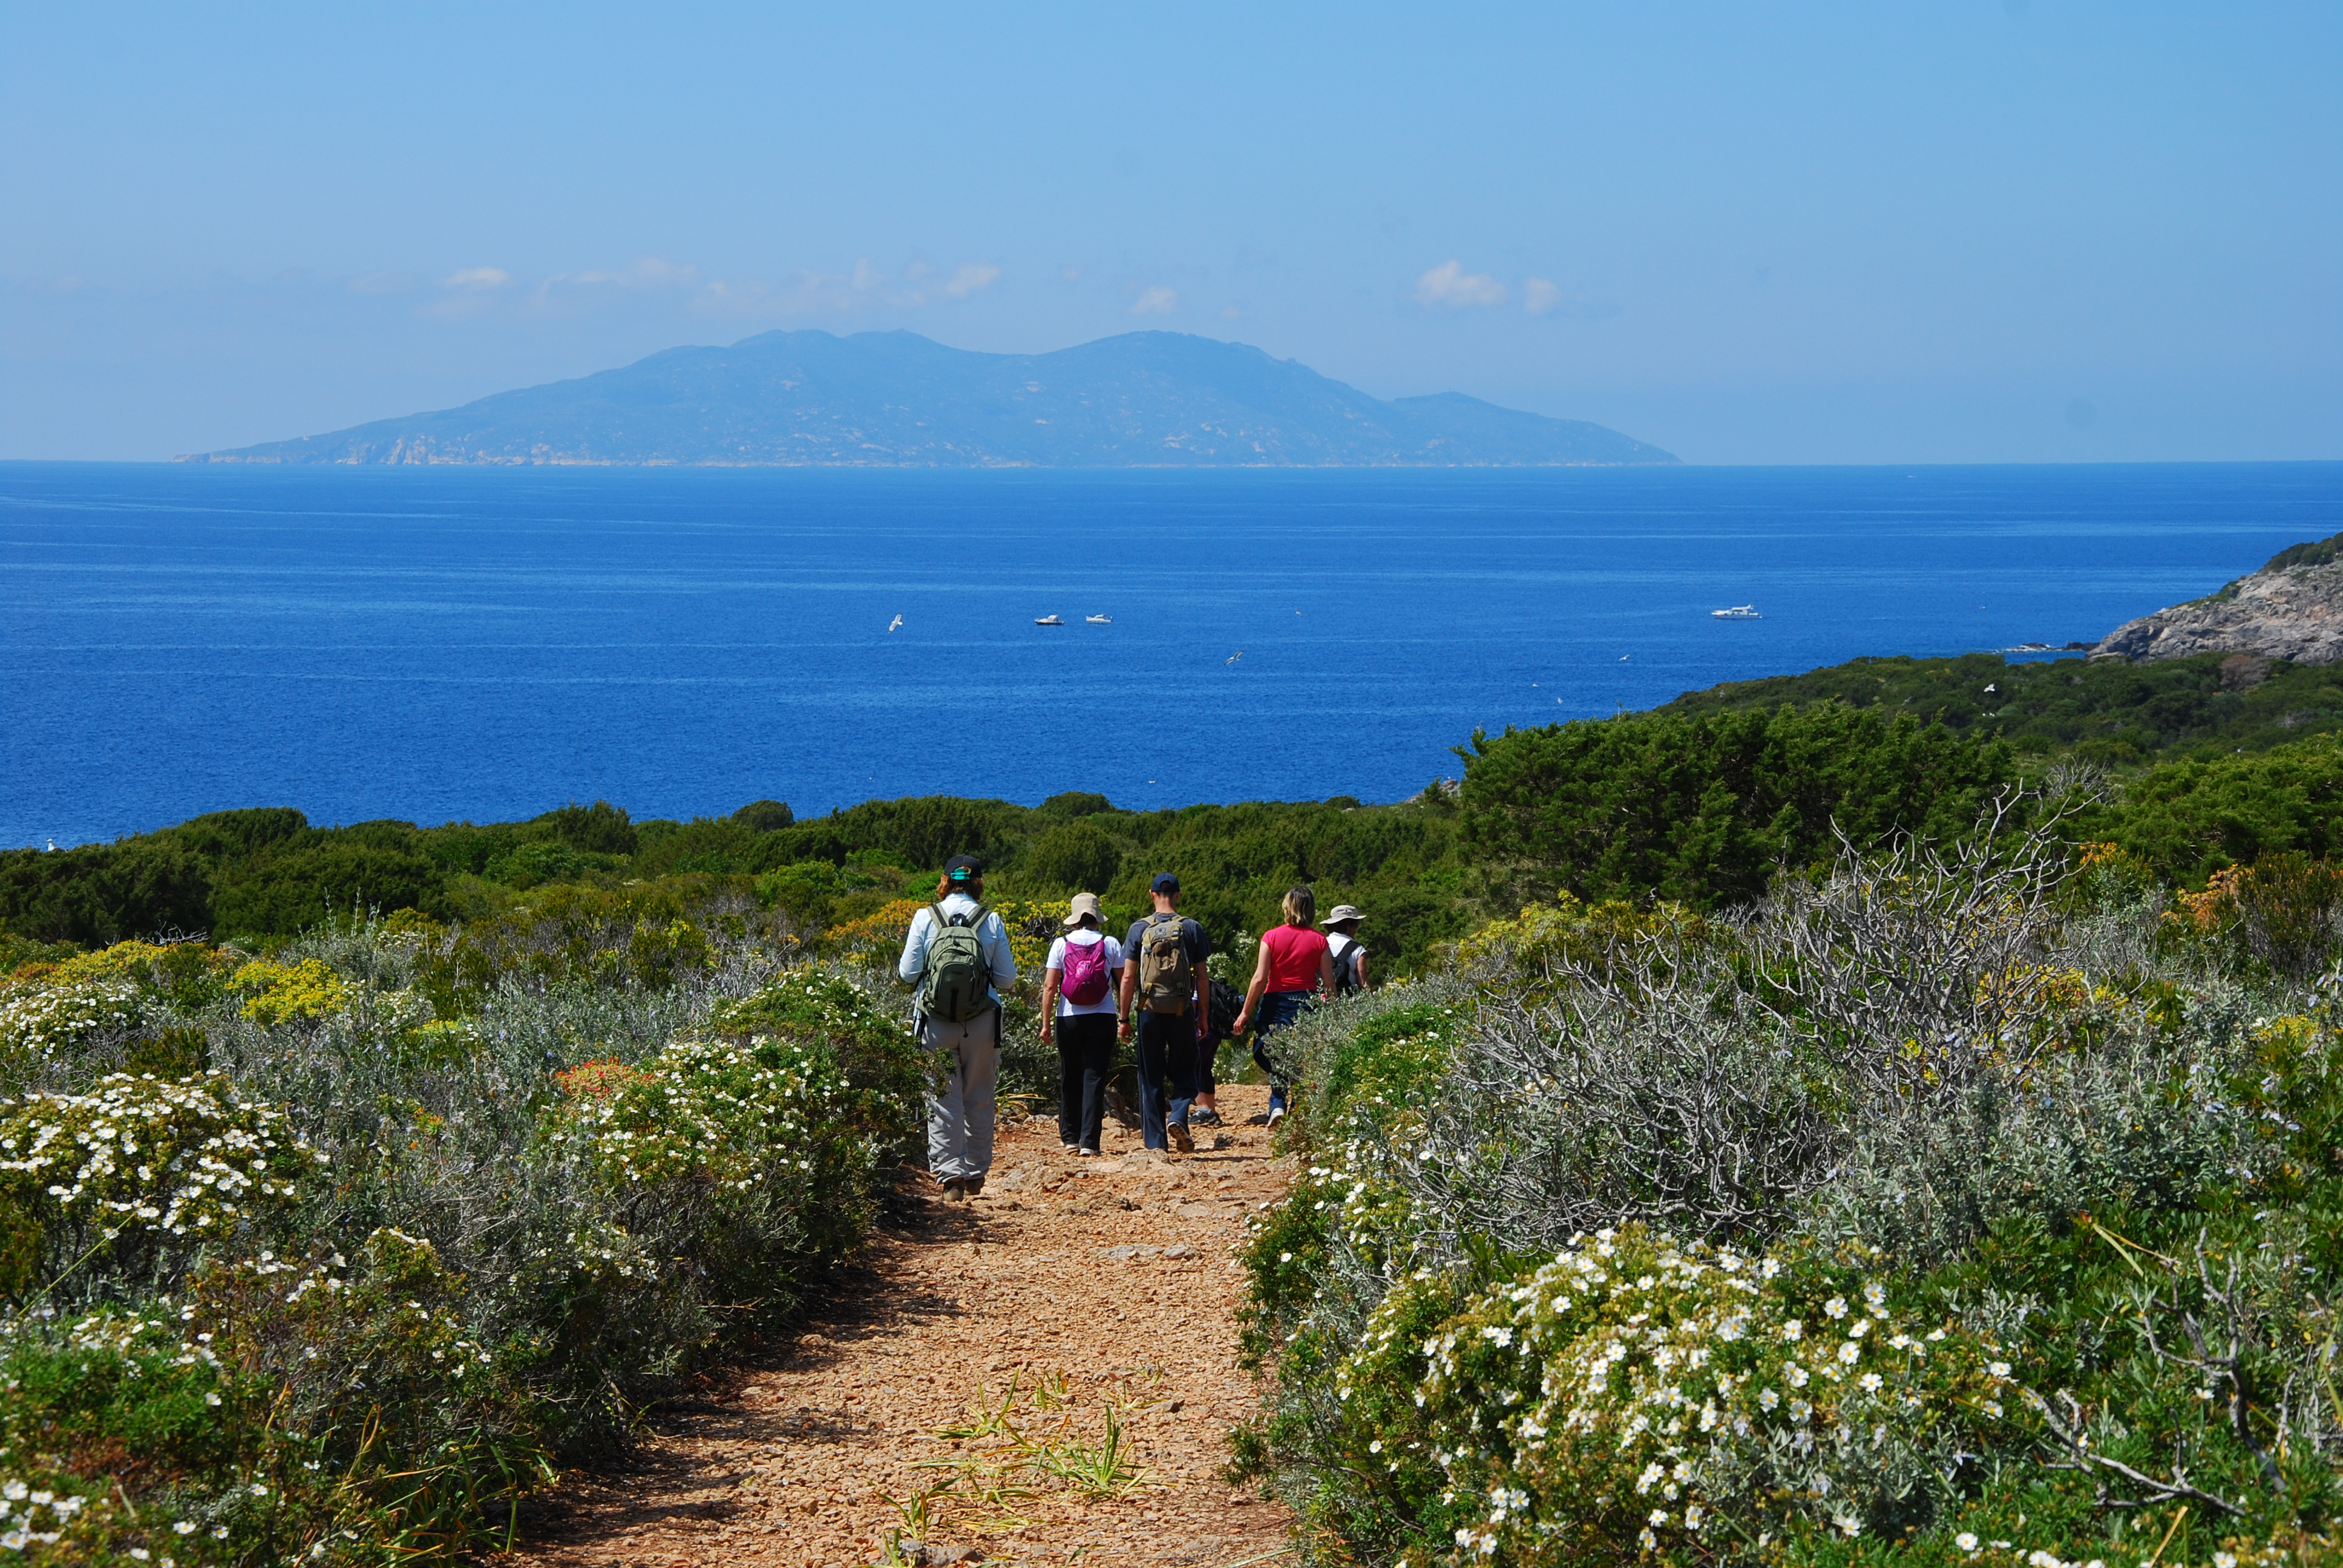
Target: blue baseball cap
1164 882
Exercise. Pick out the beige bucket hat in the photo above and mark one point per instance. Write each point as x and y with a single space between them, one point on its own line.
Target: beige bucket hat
1083 904
1342 912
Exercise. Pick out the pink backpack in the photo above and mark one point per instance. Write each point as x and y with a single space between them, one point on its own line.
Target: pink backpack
1084 984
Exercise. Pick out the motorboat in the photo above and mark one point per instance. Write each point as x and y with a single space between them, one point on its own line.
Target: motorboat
1047 620
1738 612
1100 619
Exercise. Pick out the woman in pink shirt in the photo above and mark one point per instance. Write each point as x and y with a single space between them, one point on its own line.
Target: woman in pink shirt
1294 963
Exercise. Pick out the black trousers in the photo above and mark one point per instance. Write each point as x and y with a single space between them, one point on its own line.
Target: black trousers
1085 1057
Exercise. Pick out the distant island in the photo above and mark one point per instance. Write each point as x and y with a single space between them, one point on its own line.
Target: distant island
896 399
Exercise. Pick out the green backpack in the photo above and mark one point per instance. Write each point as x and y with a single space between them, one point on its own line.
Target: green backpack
956 986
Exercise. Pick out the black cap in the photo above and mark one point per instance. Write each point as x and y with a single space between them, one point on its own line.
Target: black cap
1164 882
963 868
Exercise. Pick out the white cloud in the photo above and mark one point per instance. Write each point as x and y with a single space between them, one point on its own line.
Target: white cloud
1157 301
1449 283
1227 313
649 272
972 277
477 278
866 277
1539 296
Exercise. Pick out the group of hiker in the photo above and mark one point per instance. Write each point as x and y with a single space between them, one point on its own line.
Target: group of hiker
1150 987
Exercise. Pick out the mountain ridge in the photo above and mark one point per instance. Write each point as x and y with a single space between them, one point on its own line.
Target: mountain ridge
896 399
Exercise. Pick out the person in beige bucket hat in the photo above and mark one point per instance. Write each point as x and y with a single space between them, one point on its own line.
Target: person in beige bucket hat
1078 981
1349 953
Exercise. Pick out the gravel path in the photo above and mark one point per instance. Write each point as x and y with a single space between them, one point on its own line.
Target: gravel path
1104 1283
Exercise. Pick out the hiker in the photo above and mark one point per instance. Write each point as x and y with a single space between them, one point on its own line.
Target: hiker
1078 981
1294 961
1349 953
958 954
1164 972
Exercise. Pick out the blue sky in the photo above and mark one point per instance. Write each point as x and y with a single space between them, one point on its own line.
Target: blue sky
2018 231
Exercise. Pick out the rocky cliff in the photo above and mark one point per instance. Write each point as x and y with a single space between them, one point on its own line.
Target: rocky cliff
2292 609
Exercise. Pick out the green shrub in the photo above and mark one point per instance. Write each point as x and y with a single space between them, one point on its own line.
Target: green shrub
1633 1396
102 893
1077 856
600 829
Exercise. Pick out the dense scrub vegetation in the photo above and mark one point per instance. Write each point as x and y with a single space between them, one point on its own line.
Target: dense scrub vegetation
330 1254
1699 803
1975 1204
2110 712
435 1153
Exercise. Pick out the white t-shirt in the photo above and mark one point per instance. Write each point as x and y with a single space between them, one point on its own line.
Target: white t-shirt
1057 960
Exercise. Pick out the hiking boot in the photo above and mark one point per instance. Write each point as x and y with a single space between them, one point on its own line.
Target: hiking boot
953 1191
1203 1116
1276 1114
1087 1154
1180 1139
970 1186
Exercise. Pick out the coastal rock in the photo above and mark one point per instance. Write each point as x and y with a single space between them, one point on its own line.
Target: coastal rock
2292 611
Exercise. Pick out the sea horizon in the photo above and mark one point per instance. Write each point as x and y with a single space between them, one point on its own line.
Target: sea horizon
436 642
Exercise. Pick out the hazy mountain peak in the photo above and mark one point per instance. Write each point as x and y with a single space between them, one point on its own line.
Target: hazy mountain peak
896 399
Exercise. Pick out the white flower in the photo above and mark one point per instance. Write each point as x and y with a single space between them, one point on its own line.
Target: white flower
1848 1351
1966 1540
1870 1383
1836 1306
1998 1369
184 1527
1794 1330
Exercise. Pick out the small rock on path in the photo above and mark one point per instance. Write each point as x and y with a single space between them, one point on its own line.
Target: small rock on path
1115 1274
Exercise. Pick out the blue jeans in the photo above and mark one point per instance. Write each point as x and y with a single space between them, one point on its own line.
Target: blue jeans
1278 1009
1166 1050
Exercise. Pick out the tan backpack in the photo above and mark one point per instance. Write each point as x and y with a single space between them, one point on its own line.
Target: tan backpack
1167 983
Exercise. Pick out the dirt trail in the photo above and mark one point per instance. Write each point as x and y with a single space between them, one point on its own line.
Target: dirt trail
1110 1282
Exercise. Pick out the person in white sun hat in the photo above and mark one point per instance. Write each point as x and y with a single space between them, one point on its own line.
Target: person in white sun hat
1078 981
1350 954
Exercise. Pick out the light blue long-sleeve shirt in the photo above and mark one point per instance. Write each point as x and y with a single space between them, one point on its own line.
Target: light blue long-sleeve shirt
991 936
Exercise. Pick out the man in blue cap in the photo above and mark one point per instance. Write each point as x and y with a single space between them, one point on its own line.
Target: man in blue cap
958 954
1163 974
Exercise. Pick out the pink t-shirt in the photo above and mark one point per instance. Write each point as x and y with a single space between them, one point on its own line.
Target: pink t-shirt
1293 955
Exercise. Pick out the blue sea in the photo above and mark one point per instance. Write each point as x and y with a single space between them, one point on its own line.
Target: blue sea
442 644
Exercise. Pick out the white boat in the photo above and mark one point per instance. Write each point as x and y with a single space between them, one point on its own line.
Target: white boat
1047 620
1100 619
1738 612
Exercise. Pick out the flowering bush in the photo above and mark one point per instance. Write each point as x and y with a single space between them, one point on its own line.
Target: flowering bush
1939 1213
1637 1395
47 1020
160 1168
275 993
121 1385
